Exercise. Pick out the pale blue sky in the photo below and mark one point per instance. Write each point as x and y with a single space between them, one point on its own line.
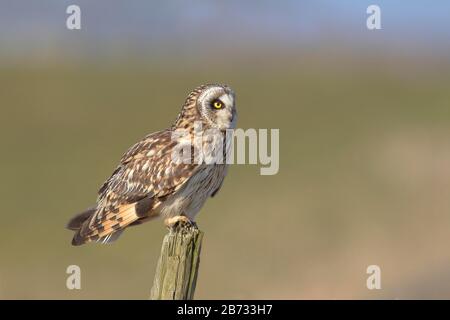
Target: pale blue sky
39 26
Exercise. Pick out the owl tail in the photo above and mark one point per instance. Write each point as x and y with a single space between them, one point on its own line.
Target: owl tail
76 224
106 228
84 233
77 221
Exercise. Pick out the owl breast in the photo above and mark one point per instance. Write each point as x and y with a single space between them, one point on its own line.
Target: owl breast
191 197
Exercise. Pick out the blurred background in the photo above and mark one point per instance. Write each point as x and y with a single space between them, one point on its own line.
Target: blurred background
364 119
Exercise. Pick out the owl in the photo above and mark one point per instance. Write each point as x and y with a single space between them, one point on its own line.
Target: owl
149 183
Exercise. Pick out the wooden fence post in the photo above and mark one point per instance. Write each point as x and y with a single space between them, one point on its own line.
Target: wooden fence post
176 273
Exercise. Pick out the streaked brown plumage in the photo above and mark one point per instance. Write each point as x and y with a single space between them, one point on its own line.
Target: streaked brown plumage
148 183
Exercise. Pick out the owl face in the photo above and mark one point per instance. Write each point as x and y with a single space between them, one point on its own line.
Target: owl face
216 105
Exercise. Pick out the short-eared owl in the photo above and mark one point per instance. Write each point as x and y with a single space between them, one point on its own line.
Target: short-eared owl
149 183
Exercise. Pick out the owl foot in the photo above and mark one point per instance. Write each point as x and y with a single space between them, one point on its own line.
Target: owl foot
179 221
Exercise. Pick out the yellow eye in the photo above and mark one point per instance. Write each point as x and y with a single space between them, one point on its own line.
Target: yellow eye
217 104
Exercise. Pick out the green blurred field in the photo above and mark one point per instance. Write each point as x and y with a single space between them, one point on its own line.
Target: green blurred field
364 179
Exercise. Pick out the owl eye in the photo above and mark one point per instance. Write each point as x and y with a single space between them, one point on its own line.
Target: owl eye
217 104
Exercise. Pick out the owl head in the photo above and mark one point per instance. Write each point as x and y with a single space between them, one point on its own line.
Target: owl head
212 104
215 104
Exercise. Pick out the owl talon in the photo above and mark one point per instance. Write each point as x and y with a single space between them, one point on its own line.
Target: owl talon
177 221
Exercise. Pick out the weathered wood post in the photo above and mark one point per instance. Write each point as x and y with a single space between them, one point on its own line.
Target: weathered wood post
176 273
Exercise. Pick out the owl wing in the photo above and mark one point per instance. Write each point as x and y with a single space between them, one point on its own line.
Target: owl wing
146 174
213 194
